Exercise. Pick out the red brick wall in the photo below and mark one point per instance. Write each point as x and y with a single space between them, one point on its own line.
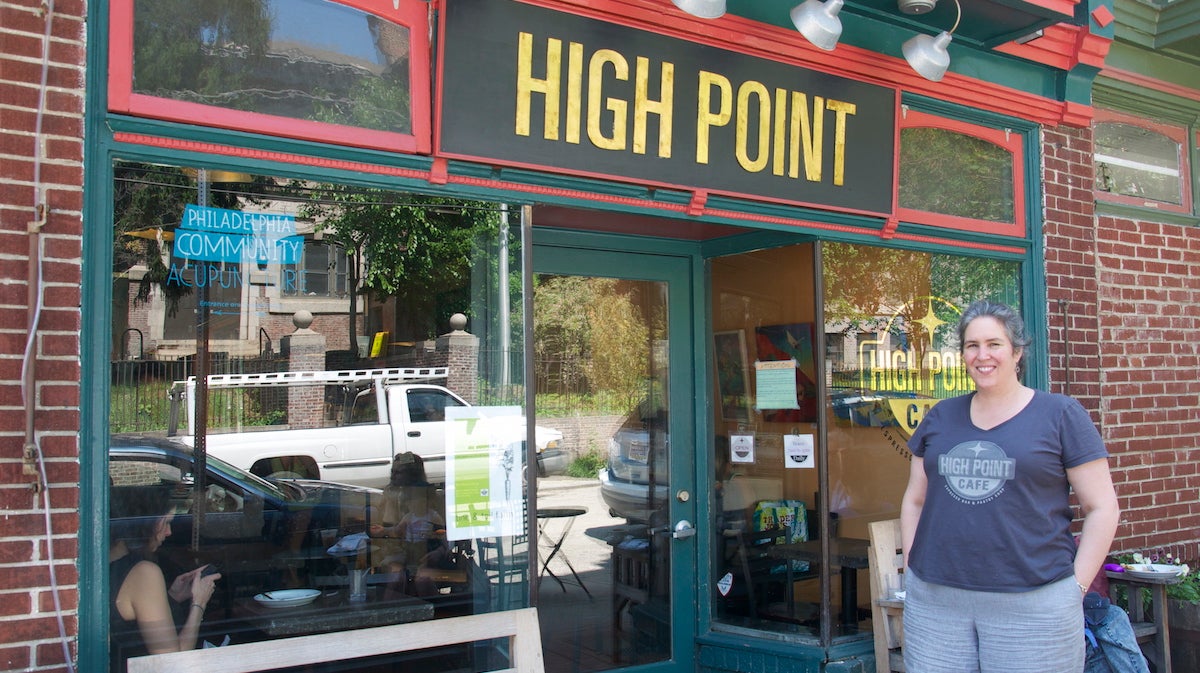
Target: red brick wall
1131 290
1149 290
29 635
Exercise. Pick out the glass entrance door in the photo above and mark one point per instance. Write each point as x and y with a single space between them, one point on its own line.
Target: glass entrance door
616 549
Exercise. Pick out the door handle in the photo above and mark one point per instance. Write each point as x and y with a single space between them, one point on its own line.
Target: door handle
683 529
414 433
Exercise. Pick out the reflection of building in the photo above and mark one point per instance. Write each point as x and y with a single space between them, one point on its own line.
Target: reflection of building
251 304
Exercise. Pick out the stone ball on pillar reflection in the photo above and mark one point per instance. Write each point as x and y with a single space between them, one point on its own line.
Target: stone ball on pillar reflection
302 319
457 322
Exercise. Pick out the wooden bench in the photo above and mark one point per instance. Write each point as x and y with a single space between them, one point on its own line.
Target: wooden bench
519 627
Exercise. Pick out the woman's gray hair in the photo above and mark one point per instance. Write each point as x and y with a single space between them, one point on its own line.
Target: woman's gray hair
1010 320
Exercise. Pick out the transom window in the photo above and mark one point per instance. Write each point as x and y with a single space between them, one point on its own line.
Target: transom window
1141 163
351 72
959 175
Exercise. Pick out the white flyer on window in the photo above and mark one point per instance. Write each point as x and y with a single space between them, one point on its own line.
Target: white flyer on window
484 461
798 451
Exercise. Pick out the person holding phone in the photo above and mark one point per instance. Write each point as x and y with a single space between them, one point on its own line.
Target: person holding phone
141 617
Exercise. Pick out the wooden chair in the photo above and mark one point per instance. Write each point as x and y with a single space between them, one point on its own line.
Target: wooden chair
506 563
887 614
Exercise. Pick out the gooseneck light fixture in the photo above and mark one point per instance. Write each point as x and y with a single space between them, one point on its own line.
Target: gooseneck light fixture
705 9
927 54
818 22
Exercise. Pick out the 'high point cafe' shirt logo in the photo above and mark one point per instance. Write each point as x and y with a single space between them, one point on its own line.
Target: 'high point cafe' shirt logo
976 471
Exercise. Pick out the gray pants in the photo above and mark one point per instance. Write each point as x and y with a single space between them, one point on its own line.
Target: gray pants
948 630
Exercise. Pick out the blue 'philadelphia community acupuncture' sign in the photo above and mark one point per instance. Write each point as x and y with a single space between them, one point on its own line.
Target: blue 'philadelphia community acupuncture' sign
530 86
221 235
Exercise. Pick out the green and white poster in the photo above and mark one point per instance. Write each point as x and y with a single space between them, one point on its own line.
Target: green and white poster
485 494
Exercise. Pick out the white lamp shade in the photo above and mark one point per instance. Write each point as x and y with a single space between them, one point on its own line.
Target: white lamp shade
818 22
928 56
705 9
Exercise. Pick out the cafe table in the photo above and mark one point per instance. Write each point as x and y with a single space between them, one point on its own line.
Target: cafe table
552 542
851 554
333 611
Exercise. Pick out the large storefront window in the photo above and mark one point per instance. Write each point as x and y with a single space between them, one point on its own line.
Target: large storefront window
890 354
345 458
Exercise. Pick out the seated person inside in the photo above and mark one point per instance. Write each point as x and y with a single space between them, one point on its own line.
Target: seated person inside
411 515
147 617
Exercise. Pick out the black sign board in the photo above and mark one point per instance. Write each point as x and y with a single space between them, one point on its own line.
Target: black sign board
528 86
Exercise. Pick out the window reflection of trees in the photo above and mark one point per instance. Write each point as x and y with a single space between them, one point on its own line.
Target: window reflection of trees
238 55
904 294
955 174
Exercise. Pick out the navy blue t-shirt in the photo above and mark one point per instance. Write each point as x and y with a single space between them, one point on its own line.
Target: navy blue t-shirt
996 514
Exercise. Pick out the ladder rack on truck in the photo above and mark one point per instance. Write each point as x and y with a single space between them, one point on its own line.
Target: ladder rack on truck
304 378
381 377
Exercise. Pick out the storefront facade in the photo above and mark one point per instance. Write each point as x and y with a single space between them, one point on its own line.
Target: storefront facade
720 261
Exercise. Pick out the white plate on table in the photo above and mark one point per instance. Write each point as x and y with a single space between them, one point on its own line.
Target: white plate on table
287 598
1153 571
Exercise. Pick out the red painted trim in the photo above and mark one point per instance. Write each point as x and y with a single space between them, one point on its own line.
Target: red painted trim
1148 82
1078 115
900 111
375 169
1012 143
264 155
696 207
412 14
1062 46
1064 7
1103 16
439 171
120 54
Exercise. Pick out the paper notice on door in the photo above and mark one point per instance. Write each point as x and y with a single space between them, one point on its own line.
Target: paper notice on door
775 385
798 451
741 448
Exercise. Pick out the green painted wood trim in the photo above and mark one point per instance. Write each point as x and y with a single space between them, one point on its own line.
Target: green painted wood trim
1179 21
1126 55
1156 26
94 344
1105 208
1141 100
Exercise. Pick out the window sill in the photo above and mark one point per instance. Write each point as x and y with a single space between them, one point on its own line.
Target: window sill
1139 213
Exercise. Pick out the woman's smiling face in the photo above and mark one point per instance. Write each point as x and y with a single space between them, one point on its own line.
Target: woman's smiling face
988 353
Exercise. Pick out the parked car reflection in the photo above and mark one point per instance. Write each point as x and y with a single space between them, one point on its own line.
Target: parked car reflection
636 462
253 529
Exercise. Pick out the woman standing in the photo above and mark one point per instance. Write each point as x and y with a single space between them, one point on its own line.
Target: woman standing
994 578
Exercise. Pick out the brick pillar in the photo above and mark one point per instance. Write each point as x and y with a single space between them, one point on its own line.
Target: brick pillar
306 352
461 350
